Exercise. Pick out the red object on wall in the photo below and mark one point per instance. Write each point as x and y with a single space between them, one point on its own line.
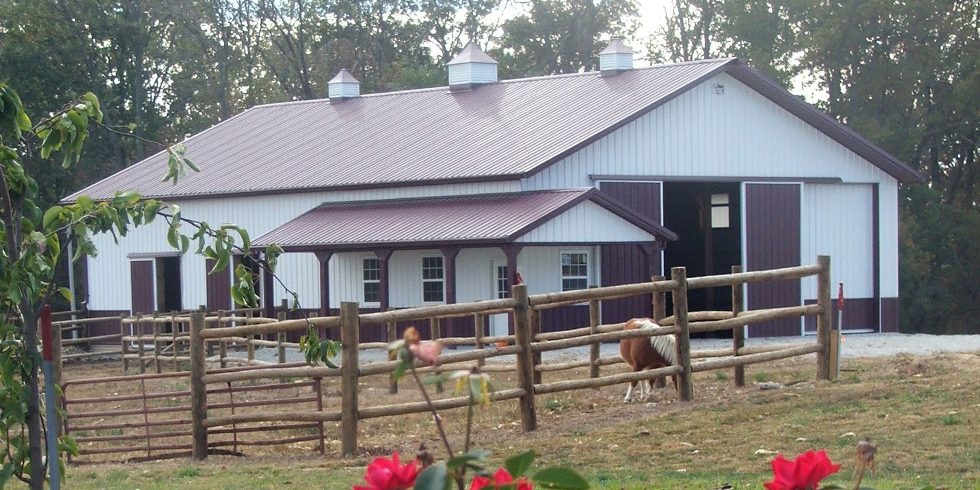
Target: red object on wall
840 296
45 327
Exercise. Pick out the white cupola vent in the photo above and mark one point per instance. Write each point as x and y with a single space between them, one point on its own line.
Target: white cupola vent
343 86
471 67
616 58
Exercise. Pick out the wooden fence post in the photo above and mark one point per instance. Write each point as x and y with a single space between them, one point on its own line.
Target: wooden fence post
156 345
222 345
659 304
435 332
250 340
123 348
594 347
525 358
684 385
478 336
825 318
174 332
199 394
281 336
738 333
659 301
535 330
350 326
140 350
392 331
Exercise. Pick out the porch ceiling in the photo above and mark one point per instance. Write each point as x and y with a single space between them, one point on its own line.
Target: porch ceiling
471 220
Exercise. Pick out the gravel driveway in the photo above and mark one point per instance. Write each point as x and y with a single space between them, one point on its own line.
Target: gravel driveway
854 345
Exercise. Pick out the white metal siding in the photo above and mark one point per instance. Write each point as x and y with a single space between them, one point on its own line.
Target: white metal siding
838 221
888 237
701 134
586 222
541 267
109 282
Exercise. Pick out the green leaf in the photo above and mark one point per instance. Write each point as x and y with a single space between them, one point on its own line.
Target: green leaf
51 217
466 458
518 464
560 479
433 478
66 293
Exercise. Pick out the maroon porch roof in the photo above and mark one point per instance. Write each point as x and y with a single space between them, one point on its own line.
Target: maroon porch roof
415 222
500 131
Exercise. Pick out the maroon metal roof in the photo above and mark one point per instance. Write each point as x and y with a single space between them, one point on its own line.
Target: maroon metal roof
498 131
415 222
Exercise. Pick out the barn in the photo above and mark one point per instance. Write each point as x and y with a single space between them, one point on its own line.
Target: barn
446 194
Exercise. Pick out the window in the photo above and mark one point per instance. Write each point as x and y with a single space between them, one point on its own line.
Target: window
433 280
372 280
574 270
719 211
503 282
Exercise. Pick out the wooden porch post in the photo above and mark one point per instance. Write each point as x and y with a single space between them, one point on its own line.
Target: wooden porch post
511 251
384 296
324 259
384 303
648 250
268 294
449 267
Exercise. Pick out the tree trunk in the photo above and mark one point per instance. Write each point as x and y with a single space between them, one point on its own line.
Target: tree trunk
34 433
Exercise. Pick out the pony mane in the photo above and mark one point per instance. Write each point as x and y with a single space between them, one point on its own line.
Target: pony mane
665 345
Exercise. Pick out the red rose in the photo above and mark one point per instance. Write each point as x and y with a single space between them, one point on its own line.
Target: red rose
389 474
804 473
500 479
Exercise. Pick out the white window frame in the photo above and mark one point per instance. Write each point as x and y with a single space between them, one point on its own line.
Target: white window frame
726 206
588 268
365 281
497 280
441 281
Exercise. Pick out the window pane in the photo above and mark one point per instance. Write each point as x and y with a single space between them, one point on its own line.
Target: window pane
372 292
372 269
432 291
571 284
719 199
719 217
432 268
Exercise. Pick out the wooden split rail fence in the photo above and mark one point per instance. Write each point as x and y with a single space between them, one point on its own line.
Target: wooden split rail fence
526 345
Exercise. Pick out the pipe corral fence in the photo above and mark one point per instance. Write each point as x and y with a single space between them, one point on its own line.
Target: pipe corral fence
216 421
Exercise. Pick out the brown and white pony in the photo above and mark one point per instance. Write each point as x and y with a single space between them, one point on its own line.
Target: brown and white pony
643 353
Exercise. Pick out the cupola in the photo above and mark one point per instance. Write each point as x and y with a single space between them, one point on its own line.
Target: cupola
343 86
616 58
470 68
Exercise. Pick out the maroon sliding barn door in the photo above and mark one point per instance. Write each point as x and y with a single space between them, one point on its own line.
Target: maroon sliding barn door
627 263
142 280
772 240
218 287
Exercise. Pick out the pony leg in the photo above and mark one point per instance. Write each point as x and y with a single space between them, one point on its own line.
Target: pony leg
644 391
629 392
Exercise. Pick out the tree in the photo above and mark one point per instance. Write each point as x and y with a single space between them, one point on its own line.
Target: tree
903 74
32 240
561 37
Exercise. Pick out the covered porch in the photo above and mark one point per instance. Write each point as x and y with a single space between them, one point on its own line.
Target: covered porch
432 250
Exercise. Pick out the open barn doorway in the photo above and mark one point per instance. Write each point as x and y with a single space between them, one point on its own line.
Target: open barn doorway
707 218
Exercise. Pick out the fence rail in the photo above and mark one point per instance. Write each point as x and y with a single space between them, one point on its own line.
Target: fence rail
527 344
